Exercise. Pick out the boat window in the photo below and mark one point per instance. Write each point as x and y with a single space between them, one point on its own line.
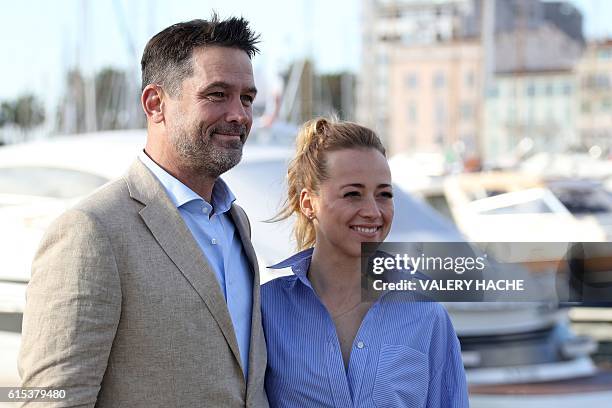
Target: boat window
48 182
584 200
439 203
529 207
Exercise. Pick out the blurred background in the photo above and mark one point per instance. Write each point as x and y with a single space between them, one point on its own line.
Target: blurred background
497 117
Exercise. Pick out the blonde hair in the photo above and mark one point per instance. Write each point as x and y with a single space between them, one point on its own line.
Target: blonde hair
308 168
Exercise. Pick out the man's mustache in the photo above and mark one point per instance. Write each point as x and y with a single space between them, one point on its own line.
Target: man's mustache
231 129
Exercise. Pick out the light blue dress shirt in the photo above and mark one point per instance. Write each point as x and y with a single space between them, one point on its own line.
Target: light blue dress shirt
214 231
405 354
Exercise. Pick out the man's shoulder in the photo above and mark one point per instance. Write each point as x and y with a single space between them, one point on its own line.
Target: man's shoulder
112 196
109 204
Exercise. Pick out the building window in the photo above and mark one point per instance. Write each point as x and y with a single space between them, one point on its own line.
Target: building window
606 104
412 112
382 59
585 107
531 89
467 111
598 81
493 91
605 54
567 88
411 81
439 80
469 79
548 89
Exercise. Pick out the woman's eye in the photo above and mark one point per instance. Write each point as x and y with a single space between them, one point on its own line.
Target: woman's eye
351 194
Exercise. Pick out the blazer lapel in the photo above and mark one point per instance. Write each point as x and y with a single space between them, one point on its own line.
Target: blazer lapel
241 223
257 351
165 223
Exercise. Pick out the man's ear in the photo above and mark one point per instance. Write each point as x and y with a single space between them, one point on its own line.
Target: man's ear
152 103
307 203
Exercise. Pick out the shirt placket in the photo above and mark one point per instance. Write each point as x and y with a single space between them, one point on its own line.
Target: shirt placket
215 242
224 246
362 344
338 381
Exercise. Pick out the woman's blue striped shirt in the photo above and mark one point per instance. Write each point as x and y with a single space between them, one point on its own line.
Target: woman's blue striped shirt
405 354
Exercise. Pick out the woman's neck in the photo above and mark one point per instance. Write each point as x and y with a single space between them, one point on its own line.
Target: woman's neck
336 278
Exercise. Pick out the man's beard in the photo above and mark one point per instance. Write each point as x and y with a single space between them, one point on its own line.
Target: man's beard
201 155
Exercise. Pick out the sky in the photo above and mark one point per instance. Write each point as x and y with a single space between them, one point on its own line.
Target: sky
39 39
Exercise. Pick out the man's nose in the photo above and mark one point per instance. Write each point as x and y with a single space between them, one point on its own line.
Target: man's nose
239 113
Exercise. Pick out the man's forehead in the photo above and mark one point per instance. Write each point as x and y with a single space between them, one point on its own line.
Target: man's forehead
223 65
216 55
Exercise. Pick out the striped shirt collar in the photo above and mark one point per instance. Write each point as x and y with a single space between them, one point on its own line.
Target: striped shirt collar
300 262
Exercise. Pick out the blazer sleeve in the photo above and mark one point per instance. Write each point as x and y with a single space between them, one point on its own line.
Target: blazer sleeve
73 304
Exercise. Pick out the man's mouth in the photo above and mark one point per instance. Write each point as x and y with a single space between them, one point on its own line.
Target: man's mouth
237 132
229 134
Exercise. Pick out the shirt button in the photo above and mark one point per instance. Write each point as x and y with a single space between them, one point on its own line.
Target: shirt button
360 345
213 241
205 210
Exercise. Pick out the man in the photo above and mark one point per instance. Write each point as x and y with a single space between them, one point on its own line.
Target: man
146 294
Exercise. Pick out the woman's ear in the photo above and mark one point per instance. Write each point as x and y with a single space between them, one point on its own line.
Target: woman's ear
307 204
152 103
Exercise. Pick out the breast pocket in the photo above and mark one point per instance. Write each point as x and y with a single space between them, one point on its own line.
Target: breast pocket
402 377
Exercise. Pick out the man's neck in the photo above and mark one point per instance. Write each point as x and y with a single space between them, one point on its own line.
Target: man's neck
202 185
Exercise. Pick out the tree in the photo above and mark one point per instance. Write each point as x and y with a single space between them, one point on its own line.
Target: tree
71 110
28 112
22 114
116 102
111 106
7 114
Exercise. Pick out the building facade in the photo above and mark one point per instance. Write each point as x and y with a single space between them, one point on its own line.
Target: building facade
390 25
430 81
529 112
594 110
434 95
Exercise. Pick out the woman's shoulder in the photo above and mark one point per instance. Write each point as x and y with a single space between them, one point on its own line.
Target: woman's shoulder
275 291
276 283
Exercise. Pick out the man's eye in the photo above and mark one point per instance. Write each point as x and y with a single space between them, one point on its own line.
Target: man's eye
247 100
216 95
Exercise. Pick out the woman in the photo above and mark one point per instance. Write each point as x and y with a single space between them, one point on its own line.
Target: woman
327 347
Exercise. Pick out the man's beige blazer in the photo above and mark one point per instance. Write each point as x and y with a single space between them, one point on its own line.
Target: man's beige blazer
123 309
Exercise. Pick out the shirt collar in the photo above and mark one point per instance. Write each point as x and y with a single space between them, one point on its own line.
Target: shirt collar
221 198
295 260
300 262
